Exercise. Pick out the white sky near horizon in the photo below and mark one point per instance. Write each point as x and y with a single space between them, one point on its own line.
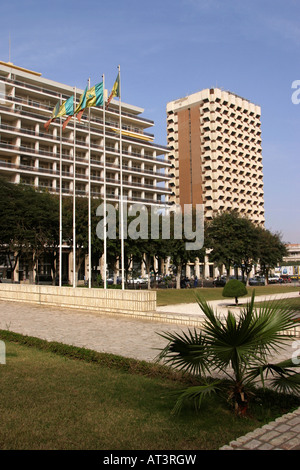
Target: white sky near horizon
168 49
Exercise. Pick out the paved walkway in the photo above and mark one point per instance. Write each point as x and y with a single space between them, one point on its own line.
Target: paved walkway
137 339
281 434
223 305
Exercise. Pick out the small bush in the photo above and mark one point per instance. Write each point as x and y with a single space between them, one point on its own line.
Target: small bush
234 288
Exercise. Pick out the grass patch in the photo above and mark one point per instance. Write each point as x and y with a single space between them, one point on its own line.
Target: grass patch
293 302
181 296
59 397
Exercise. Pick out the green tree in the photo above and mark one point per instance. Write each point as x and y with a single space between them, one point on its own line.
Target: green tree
249 247
222 239
11 233
29 223
238 348
232 240
271 251
234 288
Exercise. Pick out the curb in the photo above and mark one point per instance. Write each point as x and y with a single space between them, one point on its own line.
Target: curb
281 434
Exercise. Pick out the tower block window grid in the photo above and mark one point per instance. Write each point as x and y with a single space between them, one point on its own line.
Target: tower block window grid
215 149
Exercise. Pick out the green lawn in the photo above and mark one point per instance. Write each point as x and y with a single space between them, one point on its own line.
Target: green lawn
178 296
62 398
294 302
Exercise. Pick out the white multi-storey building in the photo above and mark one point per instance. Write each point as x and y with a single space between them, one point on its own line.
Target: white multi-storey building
215 140
30 155
216 155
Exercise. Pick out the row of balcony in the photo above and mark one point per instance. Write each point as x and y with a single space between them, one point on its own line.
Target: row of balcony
83 126
56 173
31 151
110 196
46 91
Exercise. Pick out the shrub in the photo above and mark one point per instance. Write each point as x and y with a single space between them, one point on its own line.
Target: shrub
234 288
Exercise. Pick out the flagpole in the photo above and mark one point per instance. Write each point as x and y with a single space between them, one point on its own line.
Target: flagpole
74 197
60 201
121 185
89 197
104 189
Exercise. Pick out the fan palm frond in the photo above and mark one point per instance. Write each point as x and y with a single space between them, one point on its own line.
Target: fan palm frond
186 351
238 345
196 394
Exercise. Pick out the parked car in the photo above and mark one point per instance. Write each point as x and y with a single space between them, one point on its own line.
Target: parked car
257 281
138 280
274 280
219 281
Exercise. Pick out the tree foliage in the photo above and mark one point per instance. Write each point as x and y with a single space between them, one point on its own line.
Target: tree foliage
236 242
30 228
271 250
234 288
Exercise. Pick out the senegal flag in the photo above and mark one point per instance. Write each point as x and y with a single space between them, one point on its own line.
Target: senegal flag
54 115
66 108
90 98
115 90
94 96
81 105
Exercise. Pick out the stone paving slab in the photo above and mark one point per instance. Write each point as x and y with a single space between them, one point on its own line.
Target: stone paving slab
281 434
119 335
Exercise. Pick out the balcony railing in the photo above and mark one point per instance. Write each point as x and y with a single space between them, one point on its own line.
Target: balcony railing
51 172
81 192
64 97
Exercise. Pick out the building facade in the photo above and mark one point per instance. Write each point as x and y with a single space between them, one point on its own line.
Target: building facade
215 141
32 156
290 266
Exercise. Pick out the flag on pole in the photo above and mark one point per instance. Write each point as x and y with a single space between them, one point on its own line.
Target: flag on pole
54 115
81 105
88 99
115 90
94 96
66 108
67 121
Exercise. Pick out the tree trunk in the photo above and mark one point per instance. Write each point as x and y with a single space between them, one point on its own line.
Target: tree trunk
227 272
178 276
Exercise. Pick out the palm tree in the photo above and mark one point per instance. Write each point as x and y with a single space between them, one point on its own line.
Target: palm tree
237 349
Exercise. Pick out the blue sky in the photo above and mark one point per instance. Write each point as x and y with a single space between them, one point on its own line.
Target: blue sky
168 49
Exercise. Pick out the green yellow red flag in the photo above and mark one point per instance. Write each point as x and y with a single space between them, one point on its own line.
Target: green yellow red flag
115 90
54 114
59 110
81 105
94 96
